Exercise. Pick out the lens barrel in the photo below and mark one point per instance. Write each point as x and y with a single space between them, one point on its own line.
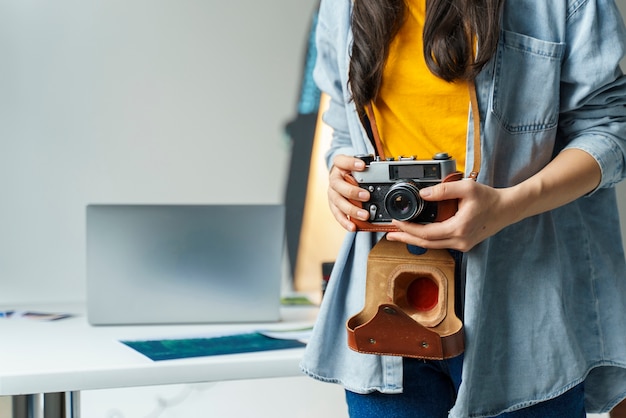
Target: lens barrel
403 201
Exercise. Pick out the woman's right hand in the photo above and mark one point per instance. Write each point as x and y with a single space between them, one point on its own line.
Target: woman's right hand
341 191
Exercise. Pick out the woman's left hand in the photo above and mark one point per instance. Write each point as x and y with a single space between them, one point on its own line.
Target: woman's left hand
482 212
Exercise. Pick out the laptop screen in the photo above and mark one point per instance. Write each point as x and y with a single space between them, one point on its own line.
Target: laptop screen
164 264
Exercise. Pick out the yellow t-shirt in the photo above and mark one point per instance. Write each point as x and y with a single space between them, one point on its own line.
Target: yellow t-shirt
417 113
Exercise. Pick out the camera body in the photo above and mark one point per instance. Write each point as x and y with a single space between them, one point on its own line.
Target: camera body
394 186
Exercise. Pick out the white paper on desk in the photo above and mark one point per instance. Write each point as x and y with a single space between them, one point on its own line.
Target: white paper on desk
301 334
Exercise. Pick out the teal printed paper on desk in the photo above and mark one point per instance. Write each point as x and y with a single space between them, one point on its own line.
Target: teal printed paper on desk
167 349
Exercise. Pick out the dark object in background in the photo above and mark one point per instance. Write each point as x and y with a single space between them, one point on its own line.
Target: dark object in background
301 132
327 268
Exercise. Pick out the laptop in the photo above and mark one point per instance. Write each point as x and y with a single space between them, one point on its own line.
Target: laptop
183 264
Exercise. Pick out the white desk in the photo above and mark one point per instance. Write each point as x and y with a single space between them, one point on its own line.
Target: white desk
61 358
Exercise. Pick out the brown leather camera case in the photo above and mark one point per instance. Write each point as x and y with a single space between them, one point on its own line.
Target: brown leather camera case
409 305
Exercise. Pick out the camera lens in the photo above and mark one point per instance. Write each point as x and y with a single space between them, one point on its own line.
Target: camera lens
403 201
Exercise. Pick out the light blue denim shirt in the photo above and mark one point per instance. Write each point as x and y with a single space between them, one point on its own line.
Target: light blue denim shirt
546 297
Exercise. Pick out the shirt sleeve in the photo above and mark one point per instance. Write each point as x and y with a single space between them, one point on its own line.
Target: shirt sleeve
328 76
593 87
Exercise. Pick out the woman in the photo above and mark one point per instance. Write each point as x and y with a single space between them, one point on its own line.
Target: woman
545 309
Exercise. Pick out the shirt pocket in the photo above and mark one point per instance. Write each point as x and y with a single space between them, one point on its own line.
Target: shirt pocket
526 83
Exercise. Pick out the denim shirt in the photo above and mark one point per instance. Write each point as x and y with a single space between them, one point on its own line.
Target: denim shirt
545 297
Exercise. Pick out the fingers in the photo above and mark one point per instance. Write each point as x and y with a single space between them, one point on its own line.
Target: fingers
348 163
481 214
342 219
343 210
438 235
342 183
447 191
343 191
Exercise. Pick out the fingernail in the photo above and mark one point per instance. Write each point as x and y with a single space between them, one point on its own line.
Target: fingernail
425 192
363 195
359 164
362 214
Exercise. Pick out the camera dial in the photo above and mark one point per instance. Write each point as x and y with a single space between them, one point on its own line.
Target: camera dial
403 201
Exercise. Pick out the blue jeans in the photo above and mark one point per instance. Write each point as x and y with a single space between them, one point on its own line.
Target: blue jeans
430 389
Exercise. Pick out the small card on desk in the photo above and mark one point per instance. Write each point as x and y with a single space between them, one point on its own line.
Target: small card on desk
34 315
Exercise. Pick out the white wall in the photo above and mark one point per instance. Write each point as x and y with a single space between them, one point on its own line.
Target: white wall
138 101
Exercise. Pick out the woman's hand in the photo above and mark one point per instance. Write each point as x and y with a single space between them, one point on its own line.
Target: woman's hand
341 191
482 212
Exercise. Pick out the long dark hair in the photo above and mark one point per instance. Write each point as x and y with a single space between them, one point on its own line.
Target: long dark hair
450 28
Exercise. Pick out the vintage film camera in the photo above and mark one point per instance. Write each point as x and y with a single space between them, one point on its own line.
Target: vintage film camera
394 186
409 296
